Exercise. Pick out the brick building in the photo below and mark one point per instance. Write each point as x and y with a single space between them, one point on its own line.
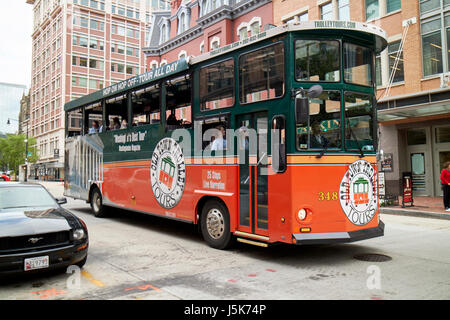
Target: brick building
193 27
413 102
79 46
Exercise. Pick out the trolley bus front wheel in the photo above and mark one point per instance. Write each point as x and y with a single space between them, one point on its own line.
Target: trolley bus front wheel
97 204
215 225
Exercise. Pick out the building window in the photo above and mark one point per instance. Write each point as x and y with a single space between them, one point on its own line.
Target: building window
393 5
215 43
378 71
254 28
165 31
429 5
344 10
202 47
182 23
298 18
243 33
393 50
432 47
372 9
326 11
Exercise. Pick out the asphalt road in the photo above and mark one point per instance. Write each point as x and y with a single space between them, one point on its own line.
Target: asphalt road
135 256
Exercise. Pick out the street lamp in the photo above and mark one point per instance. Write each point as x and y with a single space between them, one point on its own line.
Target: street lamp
26 147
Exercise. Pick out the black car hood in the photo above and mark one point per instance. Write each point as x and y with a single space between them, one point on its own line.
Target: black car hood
14 222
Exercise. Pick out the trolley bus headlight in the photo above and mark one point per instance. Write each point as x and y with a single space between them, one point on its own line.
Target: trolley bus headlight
302 214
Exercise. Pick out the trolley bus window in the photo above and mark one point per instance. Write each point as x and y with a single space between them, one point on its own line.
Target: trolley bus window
358 122
93 116
75 122
116 111
146 106
217 85
211 128
358 64
261 74
178 103
317 60
324 128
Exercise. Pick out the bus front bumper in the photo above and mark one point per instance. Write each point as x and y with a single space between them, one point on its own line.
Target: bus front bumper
338 237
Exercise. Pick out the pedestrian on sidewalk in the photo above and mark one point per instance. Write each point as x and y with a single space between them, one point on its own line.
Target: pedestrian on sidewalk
445 180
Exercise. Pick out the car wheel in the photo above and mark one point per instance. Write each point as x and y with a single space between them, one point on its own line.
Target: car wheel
82 262
2 179
97 204
215 225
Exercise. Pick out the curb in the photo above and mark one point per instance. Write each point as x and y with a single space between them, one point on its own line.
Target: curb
414 213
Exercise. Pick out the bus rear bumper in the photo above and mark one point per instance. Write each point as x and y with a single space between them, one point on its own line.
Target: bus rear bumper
338 237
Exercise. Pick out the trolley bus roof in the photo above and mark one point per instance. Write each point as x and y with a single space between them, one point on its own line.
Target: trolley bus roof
347 27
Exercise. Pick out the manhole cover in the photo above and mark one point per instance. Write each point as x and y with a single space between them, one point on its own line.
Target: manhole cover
372 257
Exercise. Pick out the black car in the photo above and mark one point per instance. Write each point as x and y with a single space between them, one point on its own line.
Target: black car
36 233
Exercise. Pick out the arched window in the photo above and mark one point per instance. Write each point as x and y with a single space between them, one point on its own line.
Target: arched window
182 26
163 33
215 43
243 33
204 7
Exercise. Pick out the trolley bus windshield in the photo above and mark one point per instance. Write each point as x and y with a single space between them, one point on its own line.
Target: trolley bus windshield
340 119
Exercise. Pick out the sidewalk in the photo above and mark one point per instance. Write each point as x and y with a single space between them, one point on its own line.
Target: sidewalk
428 207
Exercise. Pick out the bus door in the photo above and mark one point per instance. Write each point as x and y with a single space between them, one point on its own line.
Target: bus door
253 151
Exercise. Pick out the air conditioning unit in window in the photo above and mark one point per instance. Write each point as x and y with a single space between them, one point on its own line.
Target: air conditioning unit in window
445 80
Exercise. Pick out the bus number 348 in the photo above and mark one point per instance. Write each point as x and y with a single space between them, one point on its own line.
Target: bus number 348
328 196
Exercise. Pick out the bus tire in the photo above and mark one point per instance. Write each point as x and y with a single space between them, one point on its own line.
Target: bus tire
97 204
215 225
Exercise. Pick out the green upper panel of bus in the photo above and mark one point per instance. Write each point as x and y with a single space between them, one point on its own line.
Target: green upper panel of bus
334 29
134 82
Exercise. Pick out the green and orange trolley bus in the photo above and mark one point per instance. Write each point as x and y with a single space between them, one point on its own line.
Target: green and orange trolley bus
267 140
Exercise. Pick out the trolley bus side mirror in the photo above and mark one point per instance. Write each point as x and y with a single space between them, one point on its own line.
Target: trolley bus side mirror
302 102
301 110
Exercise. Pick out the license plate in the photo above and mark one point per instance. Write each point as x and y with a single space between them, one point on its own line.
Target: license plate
36 263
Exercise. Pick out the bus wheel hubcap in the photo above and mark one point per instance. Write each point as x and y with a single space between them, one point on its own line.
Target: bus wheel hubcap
215 223
97 202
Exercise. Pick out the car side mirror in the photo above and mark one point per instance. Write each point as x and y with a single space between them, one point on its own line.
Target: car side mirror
61 200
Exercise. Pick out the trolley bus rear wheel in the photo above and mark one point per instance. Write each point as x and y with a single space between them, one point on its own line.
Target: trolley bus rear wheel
215 225
97 204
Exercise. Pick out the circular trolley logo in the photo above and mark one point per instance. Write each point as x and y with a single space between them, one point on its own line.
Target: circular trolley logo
358 194
168 173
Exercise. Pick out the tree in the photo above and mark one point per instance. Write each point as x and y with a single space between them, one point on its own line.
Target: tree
13 149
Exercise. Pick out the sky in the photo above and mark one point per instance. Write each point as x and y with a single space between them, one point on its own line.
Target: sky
16 26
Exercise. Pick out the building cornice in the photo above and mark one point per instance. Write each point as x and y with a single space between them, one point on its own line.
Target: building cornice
192 33
232 11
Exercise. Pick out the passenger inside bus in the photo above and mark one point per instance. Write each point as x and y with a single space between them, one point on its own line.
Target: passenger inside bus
178 103
115 124
318 140
95 127
219 143
324 131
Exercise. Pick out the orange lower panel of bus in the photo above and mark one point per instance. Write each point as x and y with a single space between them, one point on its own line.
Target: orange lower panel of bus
321 190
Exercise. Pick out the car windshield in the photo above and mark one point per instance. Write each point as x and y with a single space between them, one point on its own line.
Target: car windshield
21 197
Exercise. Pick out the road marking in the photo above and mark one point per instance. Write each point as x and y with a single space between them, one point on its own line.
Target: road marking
88 276
144 287
45 294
